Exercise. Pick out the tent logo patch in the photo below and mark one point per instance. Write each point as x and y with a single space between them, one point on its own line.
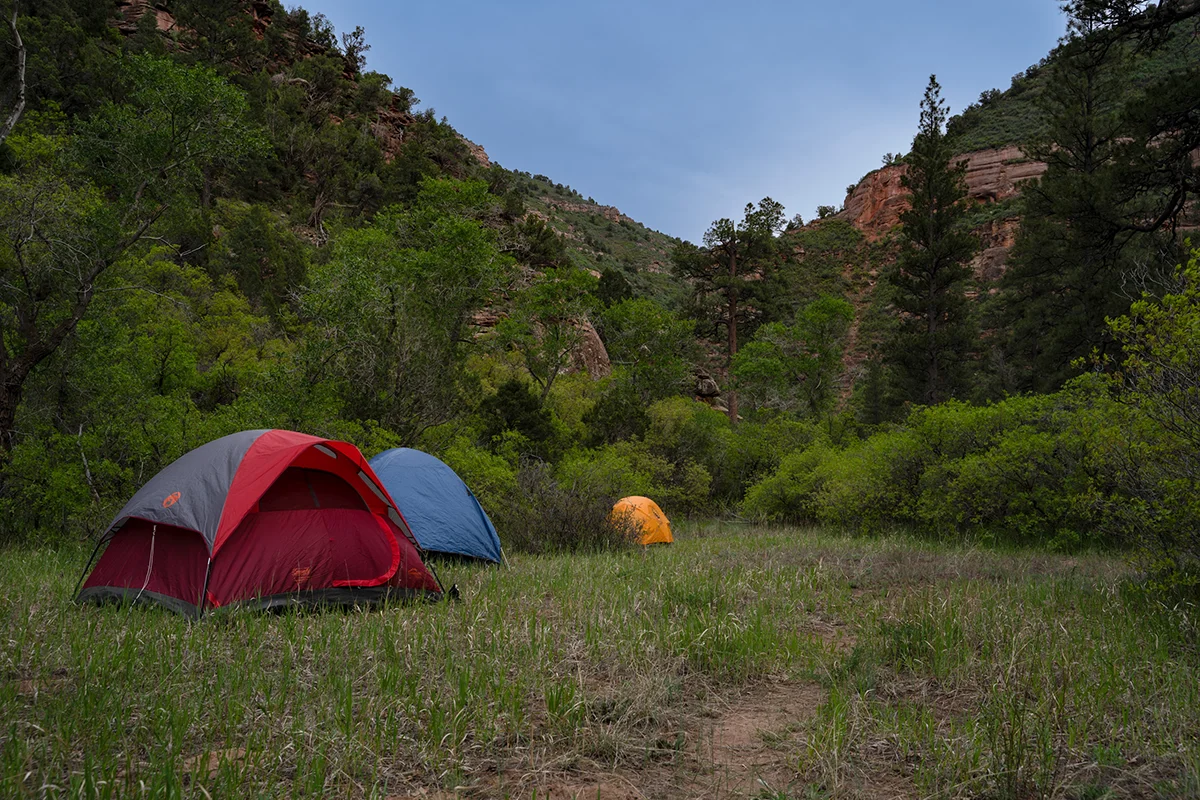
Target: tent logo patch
413 572
171 499
301 576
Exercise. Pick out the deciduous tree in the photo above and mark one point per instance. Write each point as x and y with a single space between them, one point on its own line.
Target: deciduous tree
793 368
546 323
394 305
75 206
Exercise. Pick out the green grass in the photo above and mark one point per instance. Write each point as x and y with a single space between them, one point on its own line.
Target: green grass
941 672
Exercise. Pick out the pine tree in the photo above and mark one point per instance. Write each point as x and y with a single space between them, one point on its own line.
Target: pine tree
733 275
928 356
1099 217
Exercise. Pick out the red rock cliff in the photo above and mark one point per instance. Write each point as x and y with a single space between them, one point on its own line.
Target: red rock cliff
875 205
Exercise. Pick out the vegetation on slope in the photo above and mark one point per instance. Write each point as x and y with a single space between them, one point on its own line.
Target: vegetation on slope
602 238
1018 115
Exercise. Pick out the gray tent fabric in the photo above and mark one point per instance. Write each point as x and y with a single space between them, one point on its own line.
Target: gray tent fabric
190 492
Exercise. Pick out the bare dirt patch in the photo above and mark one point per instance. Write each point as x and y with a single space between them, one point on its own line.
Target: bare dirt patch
613 788
208 764
836 634
750 744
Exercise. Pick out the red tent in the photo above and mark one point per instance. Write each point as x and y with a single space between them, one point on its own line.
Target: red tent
261 518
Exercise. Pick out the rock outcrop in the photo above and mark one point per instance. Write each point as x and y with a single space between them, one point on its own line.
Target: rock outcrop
610 213
591 355
996 238
130 12
875 205
478 152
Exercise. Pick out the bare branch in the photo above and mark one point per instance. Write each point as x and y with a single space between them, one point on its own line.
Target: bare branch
15 115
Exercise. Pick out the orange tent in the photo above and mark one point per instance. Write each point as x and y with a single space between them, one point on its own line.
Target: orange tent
648 516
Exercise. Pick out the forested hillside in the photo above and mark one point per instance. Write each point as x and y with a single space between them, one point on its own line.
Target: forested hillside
215 217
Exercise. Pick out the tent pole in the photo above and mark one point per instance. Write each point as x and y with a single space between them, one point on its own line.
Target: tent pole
425 558
204 590
82 575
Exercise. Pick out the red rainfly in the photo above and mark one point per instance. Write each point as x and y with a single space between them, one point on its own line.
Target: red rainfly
261 518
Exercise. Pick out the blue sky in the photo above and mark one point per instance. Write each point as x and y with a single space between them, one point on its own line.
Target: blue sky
680 112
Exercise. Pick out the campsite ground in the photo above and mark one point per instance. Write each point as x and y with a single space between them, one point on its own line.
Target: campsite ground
740 662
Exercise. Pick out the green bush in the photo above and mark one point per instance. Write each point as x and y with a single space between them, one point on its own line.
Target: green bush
873 484
630 468
1034 469
540 515
608 472
753 450
1042 476
1160 466
491 477
790 492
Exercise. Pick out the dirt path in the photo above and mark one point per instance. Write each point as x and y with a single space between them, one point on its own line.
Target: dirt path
738 746
749 746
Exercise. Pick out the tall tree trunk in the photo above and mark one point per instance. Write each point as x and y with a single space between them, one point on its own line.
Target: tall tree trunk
932 389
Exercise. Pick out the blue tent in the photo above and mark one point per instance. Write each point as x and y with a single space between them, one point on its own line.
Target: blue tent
442 512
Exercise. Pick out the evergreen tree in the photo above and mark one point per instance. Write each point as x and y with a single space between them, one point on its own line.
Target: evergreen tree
1118 176
929 354
733 273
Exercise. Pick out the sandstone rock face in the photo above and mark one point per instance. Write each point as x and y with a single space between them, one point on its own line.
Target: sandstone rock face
875 205
996 239
610 213
997 174
130 11
388 129
591 354
478 152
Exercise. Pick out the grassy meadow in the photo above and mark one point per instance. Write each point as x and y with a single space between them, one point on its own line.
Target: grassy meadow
739 662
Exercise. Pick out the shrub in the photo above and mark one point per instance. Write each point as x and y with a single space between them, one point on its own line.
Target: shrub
606 472
1160 475
872 484
754 449
541 516
491 477
1033 469
515 407
682 429
619 413
790 492
630 468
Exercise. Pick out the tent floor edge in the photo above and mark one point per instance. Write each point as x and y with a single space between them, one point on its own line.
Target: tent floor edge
341 597
336 597
122 595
